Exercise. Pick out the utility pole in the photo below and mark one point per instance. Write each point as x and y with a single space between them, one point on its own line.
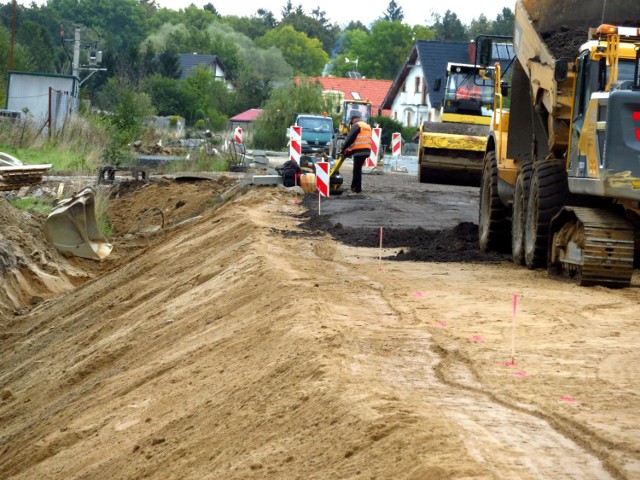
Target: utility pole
75 68
95 58
13 34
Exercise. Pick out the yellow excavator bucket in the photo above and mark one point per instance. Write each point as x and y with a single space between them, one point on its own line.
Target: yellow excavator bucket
72 227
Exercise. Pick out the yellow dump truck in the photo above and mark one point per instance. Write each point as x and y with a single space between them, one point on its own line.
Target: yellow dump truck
561 177
452 151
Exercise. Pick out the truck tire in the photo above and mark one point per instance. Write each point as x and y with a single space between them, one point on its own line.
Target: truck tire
520 197
493 222
547 194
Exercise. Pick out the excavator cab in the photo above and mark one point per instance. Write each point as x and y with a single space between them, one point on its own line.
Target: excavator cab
72 227
348 108
352 107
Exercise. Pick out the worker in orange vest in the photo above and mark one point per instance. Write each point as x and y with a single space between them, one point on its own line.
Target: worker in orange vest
469 90
358 145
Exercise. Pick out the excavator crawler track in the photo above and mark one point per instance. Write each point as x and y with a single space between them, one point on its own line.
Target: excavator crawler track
593 247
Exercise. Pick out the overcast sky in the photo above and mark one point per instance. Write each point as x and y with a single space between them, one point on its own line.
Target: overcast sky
344 11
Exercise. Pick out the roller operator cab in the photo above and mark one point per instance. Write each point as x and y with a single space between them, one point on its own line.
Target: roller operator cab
561 178
451 151
468 91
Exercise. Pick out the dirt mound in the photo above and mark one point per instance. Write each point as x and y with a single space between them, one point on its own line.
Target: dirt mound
159 150
33 271
178 201
564 25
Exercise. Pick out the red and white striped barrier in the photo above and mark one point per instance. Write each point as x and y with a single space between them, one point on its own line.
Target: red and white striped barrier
237 135
396 144
322 178
372 161
295 147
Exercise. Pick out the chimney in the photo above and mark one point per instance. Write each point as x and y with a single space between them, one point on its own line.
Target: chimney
472 52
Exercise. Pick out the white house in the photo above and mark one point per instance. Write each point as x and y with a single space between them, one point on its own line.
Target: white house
190 61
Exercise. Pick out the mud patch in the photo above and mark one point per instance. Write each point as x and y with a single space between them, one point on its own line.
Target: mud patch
454 245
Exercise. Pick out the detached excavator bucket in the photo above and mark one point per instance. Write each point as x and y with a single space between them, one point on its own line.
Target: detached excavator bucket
72 227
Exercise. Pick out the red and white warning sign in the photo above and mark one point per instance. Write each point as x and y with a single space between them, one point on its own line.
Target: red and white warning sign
322 178
372 161
295 147
396 144
237 136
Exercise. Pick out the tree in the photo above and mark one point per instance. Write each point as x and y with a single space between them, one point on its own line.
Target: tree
420 32
167 95
210 8
503 24
121 23
254 26
33 37
128 106
380 54
449 27
480 26
304 54
314 26
393 13
169 64
260 69
287 9
284 102
357 25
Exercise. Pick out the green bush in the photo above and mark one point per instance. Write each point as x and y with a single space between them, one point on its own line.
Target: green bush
277 115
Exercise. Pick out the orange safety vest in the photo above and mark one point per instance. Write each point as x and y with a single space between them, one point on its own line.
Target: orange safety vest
363 140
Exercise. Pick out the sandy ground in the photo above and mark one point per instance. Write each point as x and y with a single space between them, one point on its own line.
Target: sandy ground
243 345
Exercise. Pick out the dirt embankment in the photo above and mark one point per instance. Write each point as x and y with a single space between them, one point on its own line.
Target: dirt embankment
32 270
241 346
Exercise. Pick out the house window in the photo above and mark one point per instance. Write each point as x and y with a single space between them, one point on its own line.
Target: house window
417 81
424 93
395 116
409 118
404 86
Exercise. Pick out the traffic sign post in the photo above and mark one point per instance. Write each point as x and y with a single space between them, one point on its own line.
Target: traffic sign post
396 144
322 181
295 147
372 161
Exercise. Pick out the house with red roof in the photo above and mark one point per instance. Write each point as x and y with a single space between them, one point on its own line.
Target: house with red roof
244 119
356 89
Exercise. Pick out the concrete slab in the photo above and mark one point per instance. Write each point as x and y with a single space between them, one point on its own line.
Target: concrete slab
267 180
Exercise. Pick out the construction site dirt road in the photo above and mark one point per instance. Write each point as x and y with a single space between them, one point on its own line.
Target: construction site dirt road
262 340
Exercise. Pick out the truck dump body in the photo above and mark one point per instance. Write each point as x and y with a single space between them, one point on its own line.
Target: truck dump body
566 187
562 24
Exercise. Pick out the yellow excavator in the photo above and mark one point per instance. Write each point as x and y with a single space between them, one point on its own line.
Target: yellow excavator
349 107
561 176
